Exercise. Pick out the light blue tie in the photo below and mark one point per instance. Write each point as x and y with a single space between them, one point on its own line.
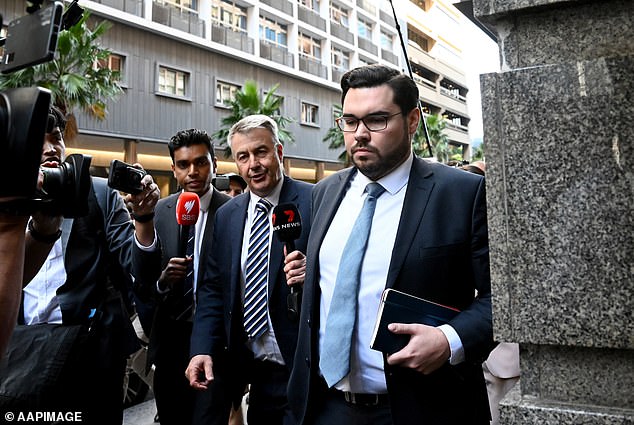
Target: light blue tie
255 288
334 360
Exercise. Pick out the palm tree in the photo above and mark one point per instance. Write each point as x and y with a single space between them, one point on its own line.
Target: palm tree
248 101
334 136
436 125
74 77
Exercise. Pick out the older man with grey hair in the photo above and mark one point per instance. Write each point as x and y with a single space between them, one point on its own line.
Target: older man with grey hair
241 316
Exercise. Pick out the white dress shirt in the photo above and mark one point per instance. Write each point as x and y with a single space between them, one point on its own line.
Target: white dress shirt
366 365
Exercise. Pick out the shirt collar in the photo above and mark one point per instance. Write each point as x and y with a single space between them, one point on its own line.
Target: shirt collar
273 197
392 182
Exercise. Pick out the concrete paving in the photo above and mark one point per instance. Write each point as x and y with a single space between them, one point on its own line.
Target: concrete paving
140 414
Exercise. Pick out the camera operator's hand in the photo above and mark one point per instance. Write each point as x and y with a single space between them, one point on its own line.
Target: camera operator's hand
142 206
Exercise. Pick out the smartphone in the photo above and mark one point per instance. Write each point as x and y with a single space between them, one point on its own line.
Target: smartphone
125 177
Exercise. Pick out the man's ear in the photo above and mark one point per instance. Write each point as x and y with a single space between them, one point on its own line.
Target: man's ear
214 161
413 118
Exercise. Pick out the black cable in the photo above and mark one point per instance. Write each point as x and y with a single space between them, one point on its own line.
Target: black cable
411 75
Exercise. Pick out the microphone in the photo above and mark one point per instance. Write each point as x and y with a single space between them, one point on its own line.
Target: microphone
187 210
287 226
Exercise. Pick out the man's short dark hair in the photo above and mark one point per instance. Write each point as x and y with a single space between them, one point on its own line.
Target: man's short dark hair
56 118
403 87
190 137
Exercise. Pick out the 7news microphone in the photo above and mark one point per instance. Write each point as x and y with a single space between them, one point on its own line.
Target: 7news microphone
287 226
187 210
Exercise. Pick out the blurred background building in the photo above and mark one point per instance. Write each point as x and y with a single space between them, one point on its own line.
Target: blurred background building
181 61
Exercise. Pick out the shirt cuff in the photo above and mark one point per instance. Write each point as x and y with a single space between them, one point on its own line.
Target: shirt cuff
149 248
455 344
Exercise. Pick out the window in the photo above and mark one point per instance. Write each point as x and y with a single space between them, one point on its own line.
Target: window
340 59
339 15
387 41
364 29
225 93
309 46
115 63
310 4
310 114
229 14
173 82
273 32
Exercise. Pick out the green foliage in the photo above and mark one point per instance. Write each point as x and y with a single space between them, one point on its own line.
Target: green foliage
72 77
436 125
248 101
334 136
478 153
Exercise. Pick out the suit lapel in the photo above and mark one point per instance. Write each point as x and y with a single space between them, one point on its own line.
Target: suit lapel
238 218
419 188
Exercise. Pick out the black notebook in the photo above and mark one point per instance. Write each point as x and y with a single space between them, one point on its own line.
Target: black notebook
399 307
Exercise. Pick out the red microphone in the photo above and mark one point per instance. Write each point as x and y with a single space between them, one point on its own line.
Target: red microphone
187 210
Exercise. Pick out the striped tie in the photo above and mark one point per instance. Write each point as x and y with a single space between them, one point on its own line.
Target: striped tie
255 290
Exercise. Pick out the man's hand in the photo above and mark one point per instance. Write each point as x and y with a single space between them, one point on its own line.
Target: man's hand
427 350
295 268
143 203
175 272
199 372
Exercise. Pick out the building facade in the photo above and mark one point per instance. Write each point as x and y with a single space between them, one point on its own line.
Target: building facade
182 60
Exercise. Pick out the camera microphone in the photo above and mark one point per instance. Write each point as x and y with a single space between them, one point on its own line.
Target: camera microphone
187 211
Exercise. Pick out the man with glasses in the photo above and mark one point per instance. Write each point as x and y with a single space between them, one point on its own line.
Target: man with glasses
392 221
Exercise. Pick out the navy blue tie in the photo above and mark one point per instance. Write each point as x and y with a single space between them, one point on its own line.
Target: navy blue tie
188 284
334 361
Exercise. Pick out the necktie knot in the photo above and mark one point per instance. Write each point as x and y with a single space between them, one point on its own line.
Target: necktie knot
374 190
263 206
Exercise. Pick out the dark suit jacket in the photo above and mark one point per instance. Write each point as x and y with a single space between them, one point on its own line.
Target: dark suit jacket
147 266
218 323
441 254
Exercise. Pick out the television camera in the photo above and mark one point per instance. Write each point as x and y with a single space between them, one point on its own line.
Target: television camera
24 117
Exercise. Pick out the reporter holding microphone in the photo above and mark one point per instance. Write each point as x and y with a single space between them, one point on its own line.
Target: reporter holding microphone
166 270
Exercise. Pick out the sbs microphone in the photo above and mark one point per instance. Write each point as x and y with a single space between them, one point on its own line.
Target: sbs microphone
187 210
287 226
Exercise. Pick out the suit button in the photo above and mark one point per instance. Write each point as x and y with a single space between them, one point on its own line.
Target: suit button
229 314
308 321
307 360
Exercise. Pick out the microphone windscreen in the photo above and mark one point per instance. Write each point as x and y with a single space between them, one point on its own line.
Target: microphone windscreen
287 222
187 208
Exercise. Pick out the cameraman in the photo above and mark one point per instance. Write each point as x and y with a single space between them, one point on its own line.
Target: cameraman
66 280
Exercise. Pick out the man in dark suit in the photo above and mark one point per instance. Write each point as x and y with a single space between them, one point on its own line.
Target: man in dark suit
261 355
160 271
428 238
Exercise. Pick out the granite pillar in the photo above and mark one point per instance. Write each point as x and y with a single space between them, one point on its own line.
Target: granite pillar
559 137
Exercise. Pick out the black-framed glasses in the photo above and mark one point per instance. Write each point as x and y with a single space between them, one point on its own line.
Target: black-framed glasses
349 124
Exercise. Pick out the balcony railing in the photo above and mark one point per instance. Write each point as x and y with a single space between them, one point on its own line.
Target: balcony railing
281 5
178 18
134 7
312 66
276 54
311 17
452 94
341 32
424 82
337 74
389 56
236 39
368 46
387 18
